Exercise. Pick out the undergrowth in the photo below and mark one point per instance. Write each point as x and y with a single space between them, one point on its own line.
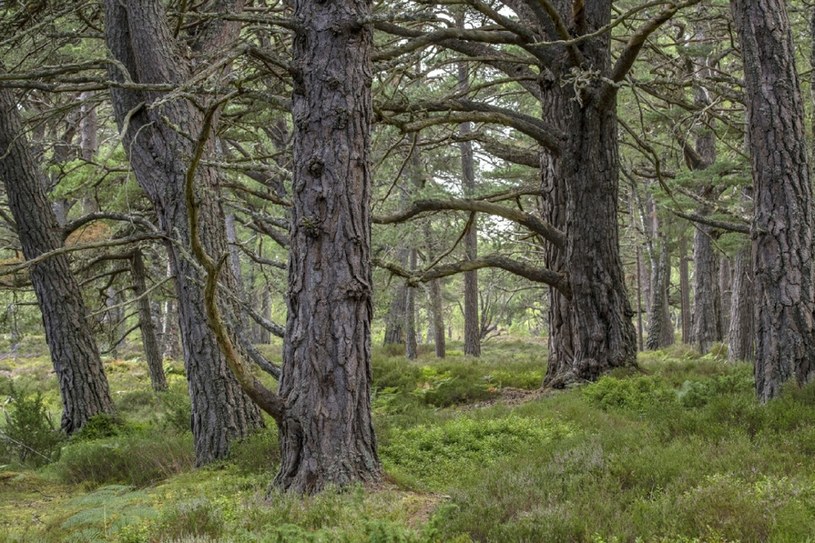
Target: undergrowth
677 452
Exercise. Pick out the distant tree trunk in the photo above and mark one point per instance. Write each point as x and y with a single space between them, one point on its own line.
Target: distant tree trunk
726 292
472 324
88 141
411 339
159 141
707 327
436 303
684 289
593 332
326 435
155 362
660 326
234 255
741 336
263 336
82 383
782 220
114 320
395 319
437 315
170 338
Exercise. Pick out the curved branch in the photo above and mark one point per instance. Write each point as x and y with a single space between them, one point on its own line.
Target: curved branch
545 230
537 275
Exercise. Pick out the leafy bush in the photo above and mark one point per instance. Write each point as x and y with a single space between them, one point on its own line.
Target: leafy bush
635 394
29 433
135 459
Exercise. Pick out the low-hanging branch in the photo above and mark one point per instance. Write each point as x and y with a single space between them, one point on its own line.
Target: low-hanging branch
528 220
461 110
74 225
722 225
9 270
537 275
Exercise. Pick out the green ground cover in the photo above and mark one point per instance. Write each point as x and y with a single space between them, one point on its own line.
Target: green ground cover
678 451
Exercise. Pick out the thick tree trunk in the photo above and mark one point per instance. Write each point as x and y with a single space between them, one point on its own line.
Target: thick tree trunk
159 141
598 318
660 326
152 353
81 377
326 435
707 322
741 336
782 220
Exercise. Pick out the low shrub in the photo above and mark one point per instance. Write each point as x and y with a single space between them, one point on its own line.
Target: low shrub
137 460
257 453
636 394
29 434
439 455
190 521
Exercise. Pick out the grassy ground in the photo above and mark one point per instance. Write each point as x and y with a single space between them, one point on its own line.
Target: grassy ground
676 452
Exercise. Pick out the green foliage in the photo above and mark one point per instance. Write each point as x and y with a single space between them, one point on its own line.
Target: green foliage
100 426
176 410
29 433
679 452
635 394
197 518
257 453
139 460
438 455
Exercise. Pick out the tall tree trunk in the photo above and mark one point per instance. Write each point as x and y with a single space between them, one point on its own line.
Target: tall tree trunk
741 336
472 324
155 362
82 383
707 322
326 435
707 311
598 318
660 326
159 138
782 220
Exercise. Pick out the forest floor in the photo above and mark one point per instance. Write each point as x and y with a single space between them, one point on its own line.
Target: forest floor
678 451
